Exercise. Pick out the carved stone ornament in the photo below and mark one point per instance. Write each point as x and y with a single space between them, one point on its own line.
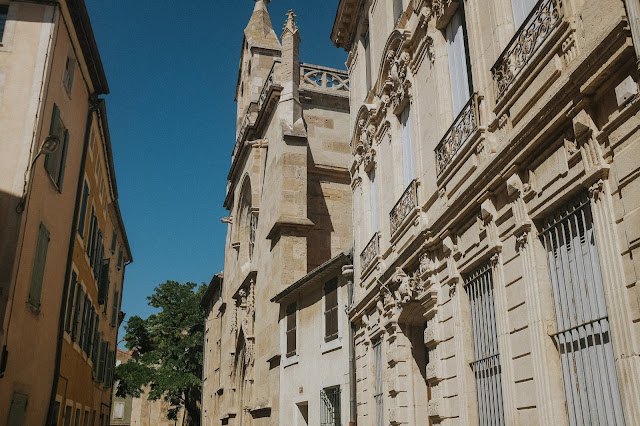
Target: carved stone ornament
426 263
522 240
495 259
595 190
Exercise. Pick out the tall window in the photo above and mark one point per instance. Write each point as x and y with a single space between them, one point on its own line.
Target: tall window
373 201
114 309
331 310
397 11
77 316
54 162
291 329
379 397
521 9
366 43
486 365
69 71
330 400
39 262
459 63
583 338
4 11
407 147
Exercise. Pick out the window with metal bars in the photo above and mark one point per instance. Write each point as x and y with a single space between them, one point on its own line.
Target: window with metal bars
330 401
583 338
331 310
379 397
486 365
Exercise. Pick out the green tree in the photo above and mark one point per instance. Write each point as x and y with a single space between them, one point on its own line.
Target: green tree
167 350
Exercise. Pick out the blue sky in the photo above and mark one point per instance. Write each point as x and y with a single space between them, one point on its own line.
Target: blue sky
172 68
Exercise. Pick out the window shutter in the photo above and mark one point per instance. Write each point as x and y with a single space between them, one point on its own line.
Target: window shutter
114 308
95 351
72 289
102 361
51 160
83 327
458 61
373 204
77 316
521 9
120 256
83 209
90 233
17 410
114 241
291 329
331 310
63 160
103 283
407 146
108 369
40 260
88 341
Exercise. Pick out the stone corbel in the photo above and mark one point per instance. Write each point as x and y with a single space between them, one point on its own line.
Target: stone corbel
443 10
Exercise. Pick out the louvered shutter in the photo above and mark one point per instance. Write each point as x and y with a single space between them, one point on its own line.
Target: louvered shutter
331 309
458 61
39 262
114 308
90 233
70 306
291 329
95 350
407 147
102 362
63 159
17 410
55 128
83 209
83 324
77 316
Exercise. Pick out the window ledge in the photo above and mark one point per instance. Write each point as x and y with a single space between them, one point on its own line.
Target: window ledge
293 360
331 346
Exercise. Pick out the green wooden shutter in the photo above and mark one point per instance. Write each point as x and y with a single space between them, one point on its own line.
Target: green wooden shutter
17 410
104 348
114 241
77 314
63 159
83 209
95 355
40 260
72 290
114 308
50 161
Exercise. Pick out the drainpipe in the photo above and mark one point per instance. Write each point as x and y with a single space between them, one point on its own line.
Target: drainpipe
347 272
93 106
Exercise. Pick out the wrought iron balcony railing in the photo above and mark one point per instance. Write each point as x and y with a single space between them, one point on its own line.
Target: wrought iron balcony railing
540 23
405 205
370 252
462 128
321 78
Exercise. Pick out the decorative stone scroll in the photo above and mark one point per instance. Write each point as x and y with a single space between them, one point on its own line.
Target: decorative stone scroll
525 44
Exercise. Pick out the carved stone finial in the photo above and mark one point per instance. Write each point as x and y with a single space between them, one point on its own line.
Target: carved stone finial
290 26
261 4
596 189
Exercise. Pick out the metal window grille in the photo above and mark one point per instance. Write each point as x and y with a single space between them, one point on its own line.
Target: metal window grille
379 397
486 365
583 338
330 400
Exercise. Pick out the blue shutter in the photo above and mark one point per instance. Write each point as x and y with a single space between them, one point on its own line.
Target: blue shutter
37 274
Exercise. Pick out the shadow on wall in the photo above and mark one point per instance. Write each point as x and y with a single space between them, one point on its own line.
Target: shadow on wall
9 232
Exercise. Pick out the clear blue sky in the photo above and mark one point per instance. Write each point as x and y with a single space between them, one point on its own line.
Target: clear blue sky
172 69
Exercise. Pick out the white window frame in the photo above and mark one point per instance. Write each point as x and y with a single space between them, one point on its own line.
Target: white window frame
408 155
459 67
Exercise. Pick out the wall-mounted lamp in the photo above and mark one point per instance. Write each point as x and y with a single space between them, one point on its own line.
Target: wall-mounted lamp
49 146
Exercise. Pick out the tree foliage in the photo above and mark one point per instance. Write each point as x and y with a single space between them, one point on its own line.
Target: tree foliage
167 350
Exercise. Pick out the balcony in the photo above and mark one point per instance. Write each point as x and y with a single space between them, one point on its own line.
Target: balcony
524 45
325 79
370 252
404 207
458 134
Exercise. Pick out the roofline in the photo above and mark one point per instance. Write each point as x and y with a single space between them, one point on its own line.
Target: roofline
215 282
343 256
102 106
86 37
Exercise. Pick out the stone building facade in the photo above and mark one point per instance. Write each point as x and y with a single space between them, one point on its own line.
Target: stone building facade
289 203
496 218
51 80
